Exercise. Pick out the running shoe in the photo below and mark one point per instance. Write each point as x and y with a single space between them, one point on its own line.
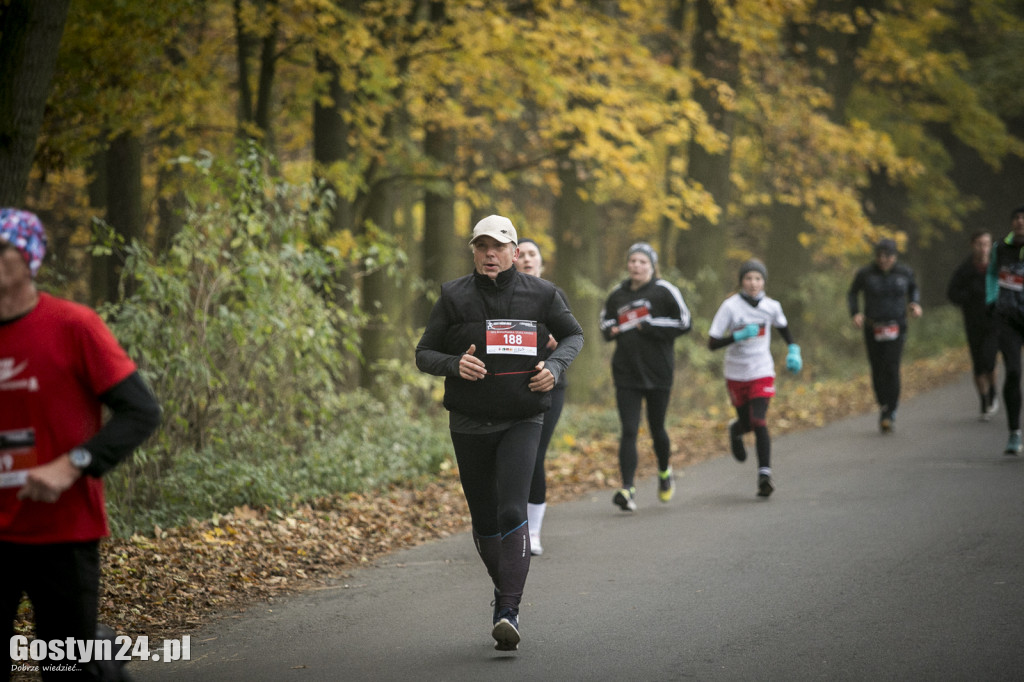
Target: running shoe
506 630
1013 444
626 499
535 548
666 485
765 487
736 442
886 423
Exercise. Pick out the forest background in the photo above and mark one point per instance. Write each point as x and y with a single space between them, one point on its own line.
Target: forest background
262 196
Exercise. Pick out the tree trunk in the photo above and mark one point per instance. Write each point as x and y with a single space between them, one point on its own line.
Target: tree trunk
30 39
786 258
701 251
377 290
170 205
263 114
244 45
441 248
124 202
578 271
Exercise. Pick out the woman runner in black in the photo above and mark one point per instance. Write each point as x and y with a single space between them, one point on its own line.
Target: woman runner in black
643 315
967 290
531 262
485 336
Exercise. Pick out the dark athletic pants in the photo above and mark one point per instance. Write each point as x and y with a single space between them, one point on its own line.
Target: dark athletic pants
495 470
1010 341
62 581
539 485
629 401
752 416
983 343
884 358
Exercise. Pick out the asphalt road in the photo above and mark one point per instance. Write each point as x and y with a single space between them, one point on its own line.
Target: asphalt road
895 557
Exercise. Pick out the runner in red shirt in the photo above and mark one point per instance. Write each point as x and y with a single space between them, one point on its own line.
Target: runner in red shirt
59 364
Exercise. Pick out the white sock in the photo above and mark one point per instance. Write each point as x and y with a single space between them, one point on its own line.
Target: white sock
535 517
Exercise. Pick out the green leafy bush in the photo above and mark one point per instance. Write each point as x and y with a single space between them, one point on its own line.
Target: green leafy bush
247 356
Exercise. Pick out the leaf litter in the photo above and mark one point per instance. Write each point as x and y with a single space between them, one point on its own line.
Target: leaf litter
174 580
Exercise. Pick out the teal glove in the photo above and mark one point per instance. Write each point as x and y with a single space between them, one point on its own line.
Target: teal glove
746 332
794 363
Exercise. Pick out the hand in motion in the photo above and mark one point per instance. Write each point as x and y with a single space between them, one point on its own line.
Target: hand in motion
47 482
794 363
471 368
543 381
747 332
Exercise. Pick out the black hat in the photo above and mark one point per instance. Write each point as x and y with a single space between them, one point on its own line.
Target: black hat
1019 209
886 246
753 265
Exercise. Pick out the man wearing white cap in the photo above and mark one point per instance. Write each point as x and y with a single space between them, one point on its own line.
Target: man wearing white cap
483 336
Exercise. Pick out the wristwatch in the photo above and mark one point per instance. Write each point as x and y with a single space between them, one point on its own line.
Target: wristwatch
80 457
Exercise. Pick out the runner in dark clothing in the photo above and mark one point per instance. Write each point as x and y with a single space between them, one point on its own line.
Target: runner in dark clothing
643 315
531 262
1005 291
485 335
889 291
967 290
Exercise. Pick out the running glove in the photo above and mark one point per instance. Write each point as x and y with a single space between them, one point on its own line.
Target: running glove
746 332
794 363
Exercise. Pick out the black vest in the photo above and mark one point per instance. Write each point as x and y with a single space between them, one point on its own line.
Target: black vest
504 394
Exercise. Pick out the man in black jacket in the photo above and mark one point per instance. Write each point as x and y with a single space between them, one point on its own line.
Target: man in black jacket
890 291
484 335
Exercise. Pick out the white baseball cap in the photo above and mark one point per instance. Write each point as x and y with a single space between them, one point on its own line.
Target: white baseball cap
498 227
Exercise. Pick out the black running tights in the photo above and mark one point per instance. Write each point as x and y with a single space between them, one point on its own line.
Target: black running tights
630 401
1010 341
495 470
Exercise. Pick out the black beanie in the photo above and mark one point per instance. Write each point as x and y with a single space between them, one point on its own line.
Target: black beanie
753 265
886 246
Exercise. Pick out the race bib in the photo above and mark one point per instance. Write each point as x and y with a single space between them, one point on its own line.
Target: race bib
511 337
886 331
633 314
1011 280
17 456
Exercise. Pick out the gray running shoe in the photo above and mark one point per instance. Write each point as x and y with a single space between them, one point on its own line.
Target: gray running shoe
1013 444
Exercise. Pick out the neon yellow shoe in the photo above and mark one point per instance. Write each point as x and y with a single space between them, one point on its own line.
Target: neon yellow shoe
666 485
625 498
